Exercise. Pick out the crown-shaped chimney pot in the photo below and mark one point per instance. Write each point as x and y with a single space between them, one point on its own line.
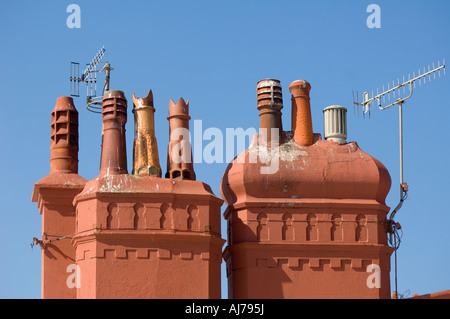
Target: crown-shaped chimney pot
179 155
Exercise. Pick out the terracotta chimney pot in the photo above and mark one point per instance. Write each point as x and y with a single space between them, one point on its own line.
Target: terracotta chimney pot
181 167
64 137
114 111
145 149
301 112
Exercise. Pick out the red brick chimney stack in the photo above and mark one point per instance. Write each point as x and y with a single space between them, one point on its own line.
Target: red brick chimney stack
314 228
127 236
54 195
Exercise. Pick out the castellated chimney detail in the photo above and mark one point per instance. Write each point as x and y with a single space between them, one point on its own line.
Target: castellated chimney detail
114 113
145 150
64 137
179 155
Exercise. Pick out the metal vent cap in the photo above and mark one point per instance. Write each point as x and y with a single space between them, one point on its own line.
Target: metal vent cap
335 123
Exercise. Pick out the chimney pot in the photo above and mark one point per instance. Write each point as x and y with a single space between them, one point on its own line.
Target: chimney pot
269 103
64 137
145 148
301 112
179 125
114 111
335 123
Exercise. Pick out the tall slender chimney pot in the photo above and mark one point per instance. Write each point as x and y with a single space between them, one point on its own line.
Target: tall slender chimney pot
114 155
301 112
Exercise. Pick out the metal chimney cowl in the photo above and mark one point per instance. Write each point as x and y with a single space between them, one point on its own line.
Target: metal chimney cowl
335 123
269 103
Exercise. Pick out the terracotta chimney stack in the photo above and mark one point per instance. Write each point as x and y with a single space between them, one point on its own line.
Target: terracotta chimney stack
269 103
301 112
179 156
64 137
54 196
145 150
114 111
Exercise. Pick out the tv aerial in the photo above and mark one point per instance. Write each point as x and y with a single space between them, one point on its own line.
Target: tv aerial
379 99
89 76
369 100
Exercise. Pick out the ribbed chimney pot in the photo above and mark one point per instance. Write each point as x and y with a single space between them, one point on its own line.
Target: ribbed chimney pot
269 103
64 137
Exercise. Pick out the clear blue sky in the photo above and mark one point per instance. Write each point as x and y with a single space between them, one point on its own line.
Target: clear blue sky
213 53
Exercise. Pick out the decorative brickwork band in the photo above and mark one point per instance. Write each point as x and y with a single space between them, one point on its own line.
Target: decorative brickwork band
114 111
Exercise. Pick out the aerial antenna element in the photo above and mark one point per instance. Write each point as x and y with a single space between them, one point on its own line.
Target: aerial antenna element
89 76
368 101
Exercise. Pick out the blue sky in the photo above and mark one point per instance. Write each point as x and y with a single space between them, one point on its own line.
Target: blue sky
213 53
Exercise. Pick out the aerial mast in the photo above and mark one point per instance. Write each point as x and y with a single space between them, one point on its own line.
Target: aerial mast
379 99
368 102
89 76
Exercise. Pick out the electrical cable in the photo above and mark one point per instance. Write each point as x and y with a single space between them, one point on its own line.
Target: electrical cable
396 233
